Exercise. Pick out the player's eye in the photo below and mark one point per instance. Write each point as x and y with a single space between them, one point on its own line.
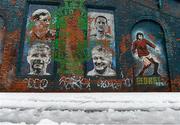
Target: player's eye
35 55
45 20
43 55
95 58
101 58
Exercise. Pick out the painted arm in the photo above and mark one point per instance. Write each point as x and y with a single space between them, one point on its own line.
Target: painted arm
150 44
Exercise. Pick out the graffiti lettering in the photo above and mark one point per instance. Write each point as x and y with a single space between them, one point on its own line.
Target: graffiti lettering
107 84
122 75
74 82
127 82
37 83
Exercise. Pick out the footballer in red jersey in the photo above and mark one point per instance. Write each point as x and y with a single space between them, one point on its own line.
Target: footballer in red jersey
140 46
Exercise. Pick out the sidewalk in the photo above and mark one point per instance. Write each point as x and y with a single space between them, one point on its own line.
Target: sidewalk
90 108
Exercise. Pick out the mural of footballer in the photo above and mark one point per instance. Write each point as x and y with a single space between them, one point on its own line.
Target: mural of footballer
140 47
39 57
102 61
41 30
101 25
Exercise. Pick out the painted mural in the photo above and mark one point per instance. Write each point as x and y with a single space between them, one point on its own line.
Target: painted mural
39 38
101 43
39 57
76 46
148 50
2 35
102 62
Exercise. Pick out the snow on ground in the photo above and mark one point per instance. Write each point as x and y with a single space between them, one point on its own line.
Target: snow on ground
89 108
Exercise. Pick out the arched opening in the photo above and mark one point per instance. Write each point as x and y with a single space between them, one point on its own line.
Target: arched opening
149 52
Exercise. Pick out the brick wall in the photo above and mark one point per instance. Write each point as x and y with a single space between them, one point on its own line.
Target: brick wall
127 13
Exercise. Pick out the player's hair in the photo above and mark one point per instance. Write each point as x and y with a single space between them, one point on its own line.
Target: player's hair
40 12
101 17
40 47
102 51
139 33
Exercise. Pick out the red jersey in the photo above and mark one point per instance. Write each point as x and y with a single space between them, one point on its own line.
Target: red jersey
141 46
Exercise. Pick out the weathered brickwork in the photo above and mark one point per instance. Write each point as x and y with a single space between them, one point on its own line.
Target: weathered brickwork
89 45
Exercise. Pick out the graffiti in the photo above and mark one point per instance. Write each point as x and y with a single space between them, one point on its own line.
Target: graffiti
39 56
105 84
74 83
71 46
125 44
122 74
70 6
127 82
36 83
102 60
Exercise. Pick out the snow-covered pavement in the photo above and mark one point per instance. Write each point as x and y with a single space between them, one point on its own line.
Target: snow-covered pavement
89 108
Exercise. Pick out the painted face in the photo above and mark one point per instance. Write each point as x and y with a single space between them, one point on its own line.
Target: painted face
100 62
140 37
101 24
44 21
38 60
